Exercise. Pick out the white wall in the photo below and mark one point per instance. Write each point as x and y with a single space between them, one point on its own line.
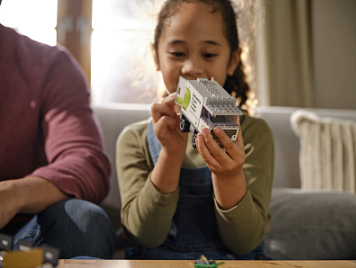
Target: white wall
334 53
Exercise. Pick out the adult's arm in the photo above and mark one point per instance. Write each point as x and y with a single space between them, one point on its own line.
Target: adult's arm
77 164
27 195
243 227
146 214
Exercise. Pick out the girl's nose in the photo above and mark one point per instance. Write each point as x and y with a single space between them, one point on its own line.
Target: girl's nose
192 67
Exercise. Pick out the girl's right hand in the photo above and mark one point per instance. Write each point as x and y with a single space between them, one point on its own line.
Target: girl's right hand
166 126
165 174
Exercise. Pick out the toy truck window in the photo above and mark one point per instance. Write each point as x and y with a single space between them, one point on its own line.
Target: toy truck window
218 120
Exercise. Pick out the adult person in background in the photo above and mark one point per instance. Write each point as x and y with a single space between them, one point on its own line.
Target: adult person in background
51 152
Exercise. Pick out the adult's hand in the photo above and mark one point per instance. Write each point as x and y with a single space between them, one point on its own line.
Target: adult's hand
9 202
26 195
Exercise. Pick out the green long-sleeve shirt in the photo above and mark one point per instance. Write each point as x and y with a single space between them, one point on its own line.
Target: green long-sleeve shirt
147 214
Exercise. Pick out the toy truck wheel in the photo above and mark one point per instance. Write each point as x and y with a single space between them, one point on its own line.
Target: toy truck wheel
184 125
193 140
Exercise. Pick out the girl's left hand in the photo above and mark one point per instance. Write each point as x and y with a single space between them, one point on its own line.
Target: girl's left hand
222 163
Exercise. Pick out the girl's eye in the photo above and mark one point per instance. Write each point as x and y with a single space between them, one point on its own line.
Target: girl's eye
209 55
178 54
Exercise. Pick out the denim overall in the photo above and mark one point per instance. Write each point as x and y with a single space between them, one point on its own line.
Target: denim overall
194 227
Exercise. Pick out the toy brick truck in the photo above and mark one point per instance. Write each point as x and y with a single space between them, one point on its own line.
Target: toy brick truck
205 104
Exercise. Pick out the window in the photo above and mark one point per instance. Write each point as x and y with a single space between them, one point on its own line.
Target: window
109 38
28 19
122 65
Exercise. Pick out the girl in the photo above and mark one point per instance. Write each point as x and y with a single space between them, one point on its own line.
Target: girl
179 202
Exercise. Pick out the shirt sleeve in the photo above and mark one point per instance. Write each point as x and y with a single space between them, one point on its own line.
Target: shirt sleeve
243 227
77 164
146 214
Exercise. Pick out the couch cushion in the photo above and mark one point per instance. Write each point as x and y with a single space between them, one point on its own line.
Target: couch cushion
113 118
312 225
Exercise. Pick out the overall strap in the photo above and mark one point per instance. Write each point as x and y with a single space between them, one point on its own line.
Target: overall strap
154 146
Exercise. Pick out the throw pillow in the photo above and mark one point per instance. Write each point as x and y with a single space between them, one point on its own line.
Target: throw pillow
327 156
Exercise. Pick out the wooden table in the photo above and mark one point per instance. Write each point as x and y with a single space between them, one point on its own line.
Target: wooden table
189 264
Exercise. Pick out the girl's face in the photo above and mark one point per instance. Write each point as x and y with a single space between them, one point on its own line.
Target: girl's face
193 45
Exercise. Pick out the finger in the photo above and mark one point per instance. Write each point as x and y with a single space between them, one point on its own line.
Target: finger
235 118
218 153
175 107
163 124
205 153
239 139
158 110
227 143
169 99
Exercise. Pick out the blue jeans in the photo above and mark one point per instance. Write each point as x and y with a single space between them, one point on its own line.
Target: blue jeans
75 227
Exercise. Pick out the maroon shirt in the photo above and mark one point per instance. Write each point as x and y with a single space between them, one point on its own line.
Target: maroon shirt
46 124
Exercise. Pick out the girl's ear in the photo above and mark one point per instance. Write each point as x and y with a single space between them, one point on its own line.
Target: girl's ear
234 62
155 56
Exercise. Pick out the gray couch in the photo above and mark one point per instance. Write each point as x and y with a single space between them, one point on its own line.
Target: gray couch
305 224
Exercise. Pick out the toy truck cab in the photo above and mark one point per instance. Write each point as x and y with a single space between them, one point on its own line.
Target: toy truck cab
205 104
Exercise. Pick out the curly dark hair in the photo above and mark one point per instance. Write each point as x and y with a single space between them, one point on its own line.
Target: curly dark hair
236 84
